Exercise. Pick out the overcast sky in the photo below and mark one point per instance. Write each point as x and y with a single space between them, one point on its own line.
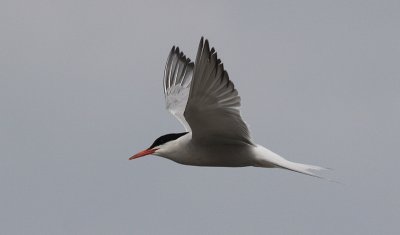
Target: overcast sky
81 91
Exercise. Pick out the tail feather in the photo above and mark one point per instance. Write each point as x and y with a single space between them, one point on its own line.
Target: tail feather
301 168
267 158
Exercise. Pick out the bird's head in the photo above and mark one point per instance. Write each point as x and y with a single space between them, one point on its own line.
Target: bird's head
160 145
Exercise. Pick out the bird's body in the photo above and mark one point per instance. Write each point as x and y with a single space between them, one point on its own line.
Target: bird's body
205 101
207 153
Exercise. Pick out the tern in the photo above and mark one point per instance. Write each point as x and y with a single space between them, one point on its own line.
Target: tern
203 98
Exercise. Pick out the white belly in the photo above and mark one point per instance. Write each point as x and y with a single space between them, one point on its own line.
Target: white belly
210 153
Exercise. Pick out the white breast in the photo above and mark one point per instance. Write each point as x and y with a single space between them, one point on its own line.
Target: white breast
209 153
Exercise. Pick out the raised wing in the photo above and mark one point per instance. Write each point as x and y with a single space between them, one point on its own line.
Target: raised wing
212 109
177 76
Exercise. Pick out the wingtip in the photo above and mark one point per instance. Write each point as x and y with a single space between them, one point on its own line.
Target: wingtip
207 45
201 43
212 50
204 43
172 50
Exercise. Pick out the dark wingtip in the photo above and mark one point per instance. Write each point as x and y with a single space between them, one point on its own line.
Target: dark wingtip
207 44
212 50
201 44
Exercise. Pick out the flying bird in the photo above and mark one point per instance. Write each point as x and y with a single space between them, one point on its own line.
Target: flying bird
201 96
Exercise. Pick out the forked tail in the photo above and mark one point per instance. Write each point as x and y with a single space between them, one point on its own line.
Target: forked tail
301 168
267 158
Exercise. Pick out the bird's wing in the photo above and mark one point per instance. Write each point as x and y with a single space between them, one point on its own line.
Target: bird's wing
177 76
212 109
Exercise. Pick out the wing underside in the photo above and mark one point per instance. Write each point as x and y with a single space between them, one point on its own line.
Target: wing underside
177 77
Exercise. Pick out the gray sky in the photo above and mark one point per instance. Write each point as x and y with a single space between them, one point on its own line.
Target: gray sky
81 91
